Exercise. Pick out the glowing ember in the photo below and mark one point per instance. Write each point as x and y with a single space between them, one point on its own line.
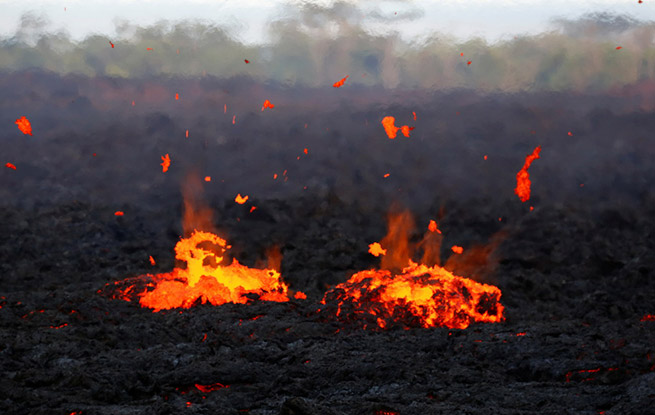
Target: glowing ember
457 249
523 177
112 45
341 82
375 249
10 166
405 129
648 317
390 128
118 213
417 295
24 125
166 163
241 199
152 260
210 388
267 104
432 227
205 279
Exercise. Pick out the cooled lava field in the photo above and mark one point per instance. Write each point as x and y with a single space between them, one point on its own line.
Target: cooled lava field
575 263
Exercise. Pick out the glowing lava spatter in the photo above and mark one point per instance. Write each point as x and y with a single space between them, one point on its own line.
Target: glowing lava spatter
165 163
340 83
267 104
205 279
24 125
417 295
522 189
208 276
390 128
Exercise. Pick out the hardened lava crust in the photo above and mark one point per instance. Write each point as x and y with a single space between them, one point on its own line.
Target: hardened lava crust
576 272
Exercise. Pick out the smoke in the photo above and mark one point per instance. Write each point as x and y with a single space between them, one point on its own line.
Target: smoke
103 117
315 45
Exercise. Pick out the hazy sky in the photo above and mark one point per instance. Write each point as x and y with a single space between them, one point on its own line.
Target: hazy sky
247 19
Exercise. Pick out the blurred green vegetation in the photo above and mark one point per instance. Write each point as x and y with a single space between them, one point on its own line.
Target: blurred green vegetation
576 55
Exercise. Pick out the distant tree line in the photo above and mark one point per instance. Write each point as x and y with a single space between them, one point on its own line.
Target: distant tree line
596 52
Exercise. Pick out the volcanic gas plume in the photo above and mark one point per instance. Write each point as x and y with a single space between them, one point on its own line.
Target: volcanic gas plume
413 294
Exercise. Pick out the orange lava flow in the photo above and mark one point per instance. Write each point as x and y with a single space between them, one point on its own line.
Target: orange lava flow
412 294
341 82
523 177
205 279
24 125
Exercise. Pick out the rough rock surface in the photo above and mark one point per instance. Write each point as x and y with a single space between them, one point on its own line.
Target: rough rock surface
577 273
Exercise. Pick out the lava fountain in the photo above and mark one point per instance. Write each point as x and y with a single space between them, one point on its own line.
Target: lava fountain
206 278
416 294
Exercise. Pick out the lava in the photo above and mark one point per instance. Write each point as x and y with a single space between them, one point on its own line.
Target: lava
416 295
211 387
165 163
376 249
390 128
24 125
341 82
267 104
523 177
205 279
208 276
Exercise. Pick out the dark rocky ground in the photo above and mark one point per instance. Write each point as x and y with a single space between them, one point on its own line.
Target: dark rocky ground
577 273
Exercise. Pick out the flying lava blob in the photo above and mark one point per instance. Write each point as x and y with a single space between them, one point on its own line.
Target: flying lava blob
523 183
415 295
24 125
241 199
390 128
166 163
340 83
267 104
